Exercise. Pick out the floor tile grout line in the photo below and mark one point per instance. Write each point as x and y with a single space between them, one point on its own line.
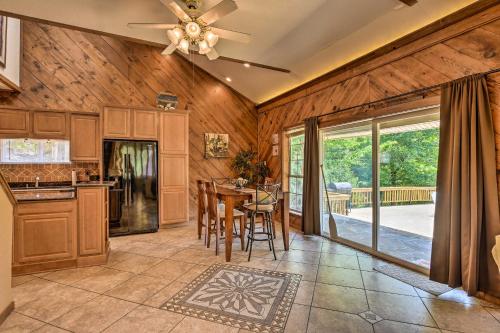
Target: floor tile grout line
387 319
40 320
120 318
430 314
312 299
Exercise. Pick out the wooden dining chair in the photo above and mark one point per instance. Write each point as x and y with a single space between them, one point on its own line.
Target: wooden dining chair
216 218
202 209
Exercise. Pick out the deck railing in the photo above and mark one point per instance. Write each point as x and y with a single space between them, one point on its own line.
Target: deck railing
362 197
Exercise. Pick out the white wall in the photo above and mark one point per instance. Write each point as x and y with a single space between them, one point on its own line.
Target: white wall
6 216
13 57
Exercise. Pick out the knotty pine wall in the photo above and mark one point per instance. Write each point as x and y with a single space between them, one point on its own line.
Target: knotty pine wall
469 46
66 69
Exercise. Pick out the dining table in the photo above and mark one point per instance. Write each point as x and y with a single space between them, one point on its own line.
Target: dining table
231 195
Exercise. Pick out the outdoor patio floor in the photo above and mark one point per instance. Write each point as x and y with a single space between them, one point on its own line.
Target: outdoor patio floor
407 237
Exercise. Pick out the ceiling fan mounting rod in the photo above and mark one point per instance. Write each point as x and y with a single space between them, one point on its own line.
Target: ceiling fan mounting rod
193 4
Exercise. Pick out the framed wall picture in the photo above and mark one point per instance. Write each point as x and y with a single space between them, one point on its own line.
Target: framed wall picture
216 145
3 40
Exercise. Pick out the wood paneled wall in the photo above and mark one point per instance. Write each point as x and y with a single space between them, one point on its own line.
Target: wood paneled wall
469 46
66 69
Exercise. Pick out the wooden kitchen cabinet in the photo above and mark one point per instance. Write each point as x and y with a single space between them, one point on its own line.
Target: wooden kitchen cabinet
50 125
174 171
14 123
116 123
145 124
174 133
174 206
174 167
92 224
126 123
85 138
45 231
57 234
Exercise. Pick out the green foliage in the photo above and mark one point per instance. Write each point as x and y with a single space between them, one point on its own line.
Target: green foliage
246 166
406 159
409 159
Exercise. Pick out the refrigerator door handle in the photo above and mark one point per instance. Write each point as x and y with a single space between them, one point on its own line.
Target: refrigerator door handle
129 185
126 179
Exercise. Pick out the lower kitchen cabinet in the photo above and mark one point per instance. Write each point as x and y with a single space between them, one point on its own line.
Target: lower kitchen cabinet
57 234
45 231
92 220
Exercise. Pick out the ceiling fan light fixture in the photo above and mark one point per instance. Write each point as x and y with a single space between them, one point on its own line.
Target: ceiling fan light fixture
193 29
211 38
175 35
183 46
203 47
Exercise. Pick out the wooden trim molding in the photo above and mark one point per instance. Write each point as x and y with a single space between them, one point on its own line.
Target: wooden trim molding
6 188
353 68
6 312
7 85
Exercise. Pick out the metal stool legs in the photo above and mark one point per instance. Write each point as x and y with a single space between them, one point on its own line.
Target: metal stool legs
267 230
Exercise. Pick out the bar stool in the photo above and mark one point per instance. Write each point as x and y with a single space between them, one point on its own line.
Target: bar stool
266 200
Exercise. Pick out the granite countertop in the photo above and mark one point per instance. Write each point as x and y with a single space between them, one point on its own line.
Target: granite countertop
95 183
37 195
52 191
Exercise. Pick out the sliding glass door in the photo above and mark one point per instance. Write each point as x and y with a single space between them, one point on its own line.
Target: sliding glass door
379 183
408 153
346 154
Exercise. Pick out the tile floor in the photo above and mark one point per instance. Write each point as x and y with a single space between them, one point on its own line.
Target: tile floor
339 291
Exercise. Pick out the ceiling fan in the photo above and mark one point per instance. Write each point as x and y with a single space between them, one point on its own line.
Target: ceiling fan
194 31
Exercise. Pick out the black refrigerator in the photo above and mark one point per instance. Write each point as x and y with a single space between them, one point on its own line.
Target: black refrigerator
133 200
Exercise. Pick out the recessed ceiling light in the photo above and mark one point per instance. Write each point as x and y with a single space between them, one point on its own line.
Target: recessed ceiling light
246 64
228 79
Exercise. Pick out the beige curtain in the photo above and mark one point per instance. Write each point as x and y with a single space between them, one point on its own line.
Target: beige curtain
467 210
310 186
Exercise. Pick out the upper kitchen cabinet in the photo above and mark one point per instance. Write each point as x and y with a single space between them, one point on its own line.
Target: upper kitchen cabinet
14 123
85 138
125 123
116 123
174 133
145 124
50 125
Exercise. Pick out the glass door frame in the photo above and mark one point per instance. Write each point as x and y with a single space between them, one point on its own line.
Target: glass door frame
375 123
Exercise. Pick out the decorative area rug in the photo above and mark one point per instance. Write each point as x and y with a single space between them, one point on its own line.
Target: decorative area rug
413 278
248 298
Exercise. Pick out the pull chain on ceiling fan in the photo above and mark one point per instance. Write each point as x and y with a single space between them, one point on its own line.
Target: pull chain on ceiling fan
194 32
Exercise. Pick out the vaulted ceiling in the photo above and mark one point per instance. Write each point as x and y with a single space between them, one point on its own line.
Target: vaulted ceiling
309 37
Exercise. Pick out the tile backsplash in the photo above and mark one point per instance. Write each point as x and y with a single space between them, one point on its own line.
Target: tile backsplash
14 173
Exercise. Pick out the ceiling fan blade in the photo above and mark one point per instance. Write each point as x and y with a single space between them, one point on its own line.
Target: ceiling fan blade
177 10
169 50
152 25
218 11
212 55
232 35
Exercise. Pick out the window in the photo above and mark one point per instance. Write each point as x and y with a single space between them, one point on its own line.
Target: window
34 151
296 168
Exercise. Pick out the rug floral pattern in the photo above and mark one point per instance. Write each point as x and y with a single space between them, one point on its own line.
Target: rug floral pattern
248 298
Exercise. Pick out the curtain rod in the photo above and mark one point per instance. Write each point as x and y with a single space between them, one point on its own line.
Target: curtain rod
409 93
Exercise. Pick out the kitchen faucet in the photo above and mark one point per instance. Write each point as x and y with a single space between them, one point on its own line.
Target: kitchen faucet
37 179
